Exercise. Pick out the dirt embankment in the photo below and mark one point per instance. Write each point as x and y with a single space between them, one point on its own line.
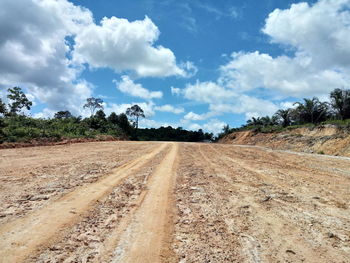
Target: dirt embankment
63 141
326 139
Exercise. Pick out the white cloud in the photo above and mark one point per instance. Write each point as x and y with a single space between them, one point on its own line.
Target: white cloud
33 50
207 92
194 126
214 126
43 44
147 123
223 99
285 75
231 12
126 85
148 108
175 91
169 108
320 31
189 69
319 35
194 116
122 45
191 116
45 113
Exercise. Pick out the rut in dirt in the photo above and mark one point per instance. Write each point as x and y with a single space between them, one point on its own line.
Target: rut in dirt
24 236
145 236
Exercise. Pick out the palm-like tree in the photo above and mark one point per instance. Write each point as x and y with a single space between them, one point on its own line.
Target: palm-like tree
340 101
254 121
311 110
284 116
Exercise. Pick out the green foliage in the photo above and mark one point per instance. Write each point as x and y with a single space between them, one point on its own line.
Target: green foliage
171 134
92 104
124 124
338 123
24 129
284 117
340 101
18 101
307 113
3 109
135 112
63 115
311 111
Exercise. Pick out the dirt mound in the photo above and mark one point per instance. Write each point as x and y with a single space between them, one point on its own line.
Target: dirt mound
325 139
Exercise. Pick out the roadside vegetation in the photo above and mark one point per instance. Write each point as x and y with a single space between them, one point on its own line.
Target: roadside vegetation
16 126
307 113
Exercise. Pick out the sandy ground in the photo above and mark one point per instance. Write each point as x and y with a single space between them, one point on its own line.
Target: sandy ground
172 202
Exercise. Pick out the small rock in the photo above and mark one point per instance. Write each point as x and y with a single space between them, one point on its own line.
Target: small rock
331 235
267 198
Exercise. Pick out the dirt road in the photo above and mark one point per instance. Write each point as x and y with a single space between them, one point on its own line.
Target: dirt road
172 202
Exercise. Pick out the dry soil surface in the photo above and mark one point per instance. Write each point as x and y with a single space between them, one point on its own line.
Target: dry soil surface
172 202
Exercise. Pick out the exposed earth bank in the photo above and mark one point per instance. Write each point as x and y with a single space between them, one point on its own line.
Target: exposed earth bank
326 139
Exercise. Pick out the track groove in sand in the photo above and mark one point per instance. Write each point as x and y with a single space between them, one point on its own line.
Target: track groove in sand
183 202
24 236
144 238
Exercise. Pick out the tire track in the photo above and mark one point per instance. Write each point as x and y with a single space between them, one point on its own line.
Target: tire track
145 237
285 222
25 236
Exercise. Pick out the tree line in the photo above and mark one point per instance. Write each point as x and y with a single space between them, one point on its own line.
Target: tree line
15 126
308 111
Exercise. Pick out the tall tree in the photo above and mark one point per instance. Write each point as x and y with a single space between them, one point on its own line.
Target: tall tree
3 109
18 101
93 104
63 115
135 112
113 118
340 101
284 116
311 110
124 124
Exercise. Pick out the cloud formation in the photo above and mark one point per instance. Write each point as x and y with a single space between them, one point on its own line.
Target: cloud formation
170 108
45 45
128 86
319 35
33 50
122 45
257 84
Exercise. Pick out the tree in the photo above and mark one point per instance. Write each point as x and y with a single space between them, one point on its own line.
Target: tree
340 101
113 118
284 116
226 129
311 111
63 115
3 109
124 124
135 112
254 121
100 115
18 101
93 104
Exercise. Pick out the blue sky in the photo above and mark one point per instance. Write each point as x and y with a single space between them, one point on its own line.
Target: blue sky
194 64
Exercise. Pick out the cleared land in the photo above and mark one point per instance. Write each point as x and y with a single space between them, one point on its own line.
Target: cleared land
172 202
